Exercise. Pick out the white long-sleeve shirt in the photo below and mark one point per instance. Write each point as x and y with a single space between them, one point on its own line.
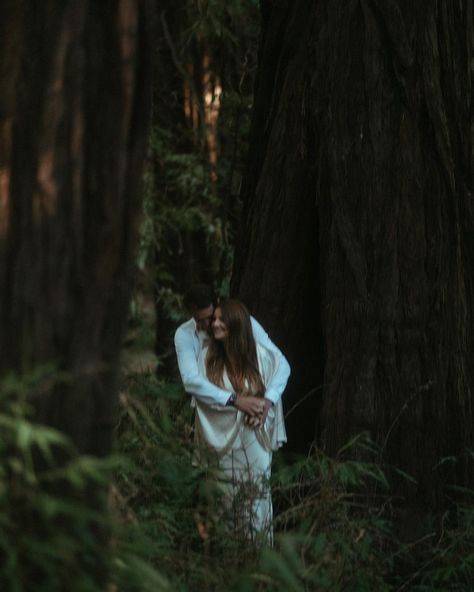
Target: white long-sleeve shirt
189 343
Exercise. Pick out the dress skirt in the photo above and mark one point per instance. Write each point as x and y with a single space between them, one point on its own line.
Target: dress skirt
243 454
246 469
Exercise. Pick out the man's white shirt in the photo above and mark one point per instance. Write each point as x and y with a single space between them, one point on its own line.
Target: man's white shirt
189 342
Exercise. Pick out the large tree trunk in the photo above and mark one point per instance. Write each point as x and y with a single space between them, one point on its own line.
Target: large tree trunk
75 97
358 226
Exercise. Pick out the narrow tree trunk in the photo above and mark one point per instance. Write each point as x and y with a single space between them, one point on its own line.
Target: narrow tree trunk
74 110
357 234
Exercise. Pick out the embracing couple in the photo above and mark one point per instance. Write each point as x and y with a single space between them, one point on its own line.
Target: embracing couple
236 377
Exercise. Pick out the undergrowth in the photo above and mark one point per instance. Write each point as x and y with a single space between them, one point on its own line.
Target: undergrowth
329 534
157 523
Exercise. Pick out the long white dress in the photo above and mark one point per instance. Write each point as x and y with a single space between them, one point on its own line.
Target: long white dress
244 454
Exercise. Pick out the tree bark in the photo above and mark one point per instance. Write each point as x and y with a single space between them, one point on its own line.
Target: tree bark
75 100
358 224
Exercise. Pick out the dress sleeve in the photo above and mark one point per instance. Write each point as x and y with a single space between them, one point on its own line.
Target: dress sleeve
275 424
277 384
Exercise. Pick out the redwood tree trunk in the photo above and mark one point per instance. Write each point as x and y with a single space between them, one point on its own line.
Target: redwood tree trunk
357 238
74 110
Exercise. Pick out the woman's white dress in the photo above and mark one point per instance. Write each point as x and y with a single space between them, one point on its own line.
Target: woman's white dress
244 454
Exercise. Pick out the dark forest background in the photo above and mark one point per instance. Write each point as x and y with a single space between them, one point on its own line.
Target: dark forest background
314 159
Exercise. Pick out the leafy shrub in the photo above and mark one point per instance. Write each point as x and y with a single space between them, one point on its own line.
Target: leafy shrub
330 534
146 519
55 530
325 538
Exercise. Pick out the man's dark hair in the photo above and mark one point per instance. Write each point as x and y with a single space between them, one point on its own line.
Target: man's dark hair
199 296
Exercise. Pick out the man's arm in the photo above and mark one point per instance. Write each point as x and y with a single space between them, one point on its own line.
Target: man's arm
278 383
195 383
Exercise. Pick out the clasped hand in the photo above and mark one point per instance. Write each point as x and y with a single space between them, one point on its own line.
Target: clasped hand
255 409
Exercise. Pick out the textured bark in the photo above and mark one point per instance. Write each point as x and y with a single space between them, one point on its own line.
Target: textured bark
359 219
74 109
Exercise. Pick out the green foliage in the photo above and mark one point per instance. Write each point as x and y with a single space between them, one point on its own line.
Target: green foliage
178 506
147 519
215 20
45 535
326 539
330 533
55 530
446 560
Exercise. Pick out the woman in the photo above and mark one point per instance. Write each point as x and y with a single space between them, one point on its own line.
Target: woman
242 444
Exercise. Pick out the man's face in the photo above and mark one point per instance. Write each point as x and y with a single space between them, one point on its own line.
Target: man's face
203 318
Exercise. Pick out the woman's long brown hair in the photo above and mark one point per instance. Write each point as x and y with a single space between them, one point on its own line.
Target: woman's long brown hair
237 353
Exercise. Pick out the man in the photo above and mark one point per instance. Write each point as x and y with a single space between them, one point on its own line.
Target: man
192 336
